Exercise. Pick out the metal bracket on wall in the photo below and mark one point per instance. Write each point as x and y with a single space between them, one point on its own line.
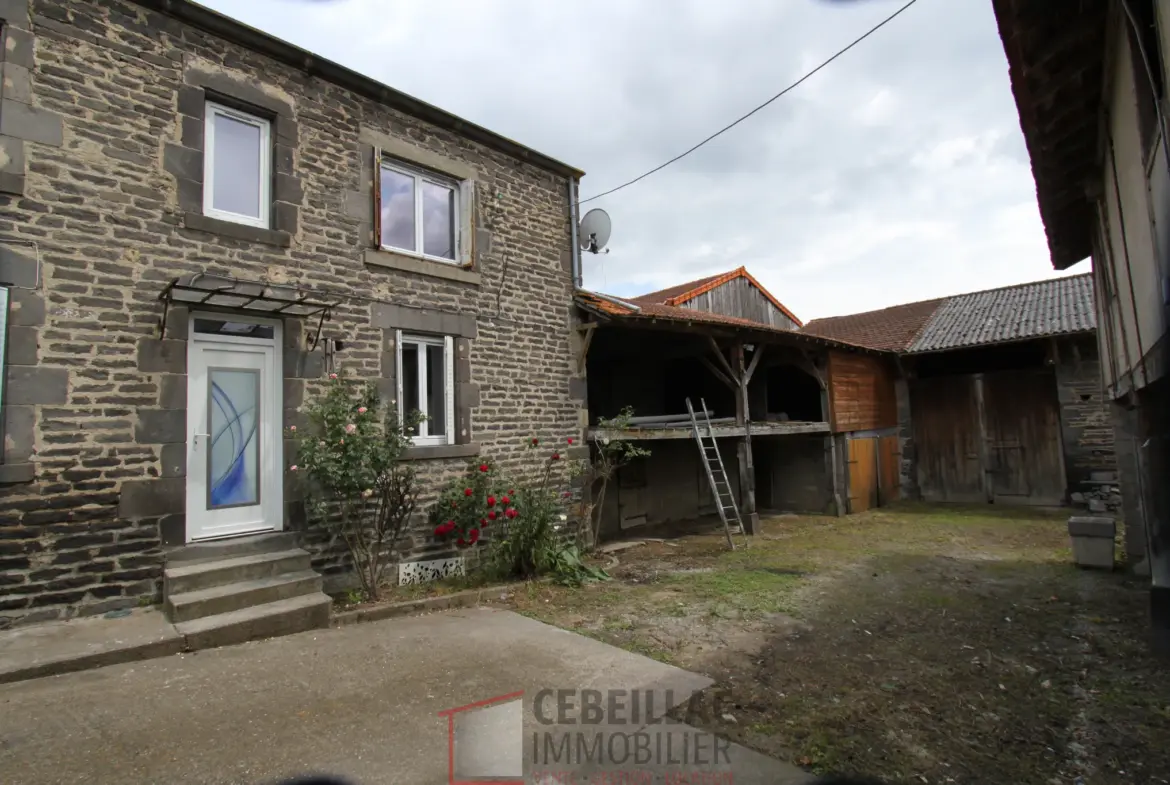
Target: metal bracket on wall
232 294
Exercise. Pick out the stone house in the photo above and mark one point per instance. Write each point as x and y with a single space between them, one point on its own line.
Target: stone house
196 221
995 397
1090 89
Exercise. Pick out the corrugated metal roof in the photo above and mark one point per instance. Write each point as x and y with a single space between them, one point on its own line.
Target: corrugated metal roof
1032 310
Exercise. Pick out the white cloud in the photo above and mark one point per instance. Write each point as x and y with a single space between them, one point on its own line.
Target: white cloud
896 174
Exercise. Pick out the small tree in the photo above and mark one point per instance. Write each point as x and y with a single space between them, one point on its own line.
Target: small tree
606 455
355 483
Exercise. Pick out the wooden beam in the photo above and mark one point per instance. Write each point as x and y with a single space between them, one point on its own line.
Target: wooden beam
756 355
722 360
718 373
984 454
747 472
586 330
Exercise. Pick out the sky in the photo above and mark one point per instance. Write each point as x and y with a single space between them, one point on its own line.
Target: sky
898 173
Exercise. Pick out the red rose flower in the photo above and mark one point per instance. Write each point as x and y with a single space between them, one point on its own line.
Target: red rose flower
492 515
482 521
466 491
511 512
483 467
440 530
491 501
570 440
462 541
449 527
473 535
511 492
556 456
535 441
505 501
568 494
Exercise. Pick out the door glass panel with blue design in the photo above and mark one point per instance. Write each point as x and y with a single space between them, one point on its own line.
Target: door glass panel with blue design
233 457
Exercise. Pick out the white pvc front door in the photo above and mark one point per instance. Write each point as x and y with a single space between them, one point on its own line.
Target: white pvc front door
234 461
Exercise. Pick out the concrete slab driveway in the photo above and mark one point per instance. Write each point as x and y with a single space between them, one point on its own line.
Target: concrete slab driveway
362 702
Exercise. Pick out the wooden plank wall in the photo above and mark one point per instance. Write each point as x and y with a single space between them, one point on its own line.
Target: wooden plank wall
861 392
738 297
946 435
863 475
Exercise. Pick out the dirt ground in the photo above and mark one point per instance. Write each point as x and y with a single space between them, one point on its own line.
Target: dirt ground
918 644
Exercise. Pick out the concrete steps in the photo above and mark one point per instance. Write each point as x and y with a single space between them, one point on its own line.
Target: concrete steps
283 617
227 592
186 606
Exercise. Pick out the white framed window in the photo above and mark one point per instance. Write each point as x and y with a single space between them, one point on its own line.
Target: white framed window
418 212
426 384
237 166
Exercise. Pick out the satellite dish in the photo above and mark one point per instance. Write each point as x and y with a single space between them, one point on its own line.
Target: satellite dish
594 230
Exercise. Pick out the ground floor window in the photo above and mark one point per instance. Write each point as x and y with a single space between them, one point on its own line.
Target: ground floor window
426 384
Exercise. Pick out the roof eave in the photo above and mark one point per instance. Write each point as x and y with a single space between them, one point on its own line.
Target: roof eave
256 40
1060 133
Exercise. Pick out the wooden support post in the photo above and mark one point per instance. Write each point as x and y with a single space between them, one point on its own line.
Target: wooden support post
985 480
747 472
723 360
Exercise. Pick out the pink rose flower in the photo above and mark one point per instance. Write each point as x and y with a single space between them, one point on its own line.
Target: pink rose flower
292 468
332 376
362 410
350 428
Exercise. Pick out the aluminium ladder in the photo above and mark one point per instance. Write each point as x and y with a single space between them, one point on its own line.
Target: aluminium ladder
716 473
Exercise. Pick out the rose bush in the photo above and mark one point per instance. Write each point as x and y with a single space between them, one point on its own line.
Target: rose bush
349 465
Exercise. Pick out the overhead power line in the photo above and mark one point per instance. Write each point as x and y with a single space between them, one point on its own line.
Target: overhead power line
778 95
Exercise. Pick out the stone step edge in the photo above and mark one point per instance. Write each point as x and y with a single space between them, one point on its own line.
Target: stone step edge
468 598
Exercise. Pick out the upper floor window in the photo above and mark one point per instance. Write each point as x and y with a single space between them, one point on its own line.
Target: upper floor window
237 166
419 212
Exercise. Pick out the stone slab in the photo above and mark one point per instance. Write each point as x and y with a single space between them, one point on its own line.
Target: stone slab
39 650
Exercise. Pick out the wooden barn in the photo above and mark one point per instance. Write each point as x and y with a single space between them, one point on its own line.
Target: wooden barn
998 394
779 399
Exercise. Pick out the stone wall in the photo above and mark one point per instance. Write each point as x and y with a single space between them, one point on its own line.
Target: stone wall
103 214
1090 460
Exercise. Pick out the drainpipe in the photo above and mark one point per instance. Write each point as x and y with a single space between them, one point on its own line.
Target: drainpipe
574 219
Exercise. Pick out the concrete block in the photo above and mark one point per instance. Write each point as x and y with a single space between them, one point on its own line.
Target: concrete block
1096 505
238 596
286 217
287 188
172 391
150 498
17 84
192 102
173 460
261 621
235 231
15 473
1092 541
182 577
18 47
12 183
21 348
162 356
19 425
15 13
36 385
192 133
18 265
25 308
183 162
31 123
